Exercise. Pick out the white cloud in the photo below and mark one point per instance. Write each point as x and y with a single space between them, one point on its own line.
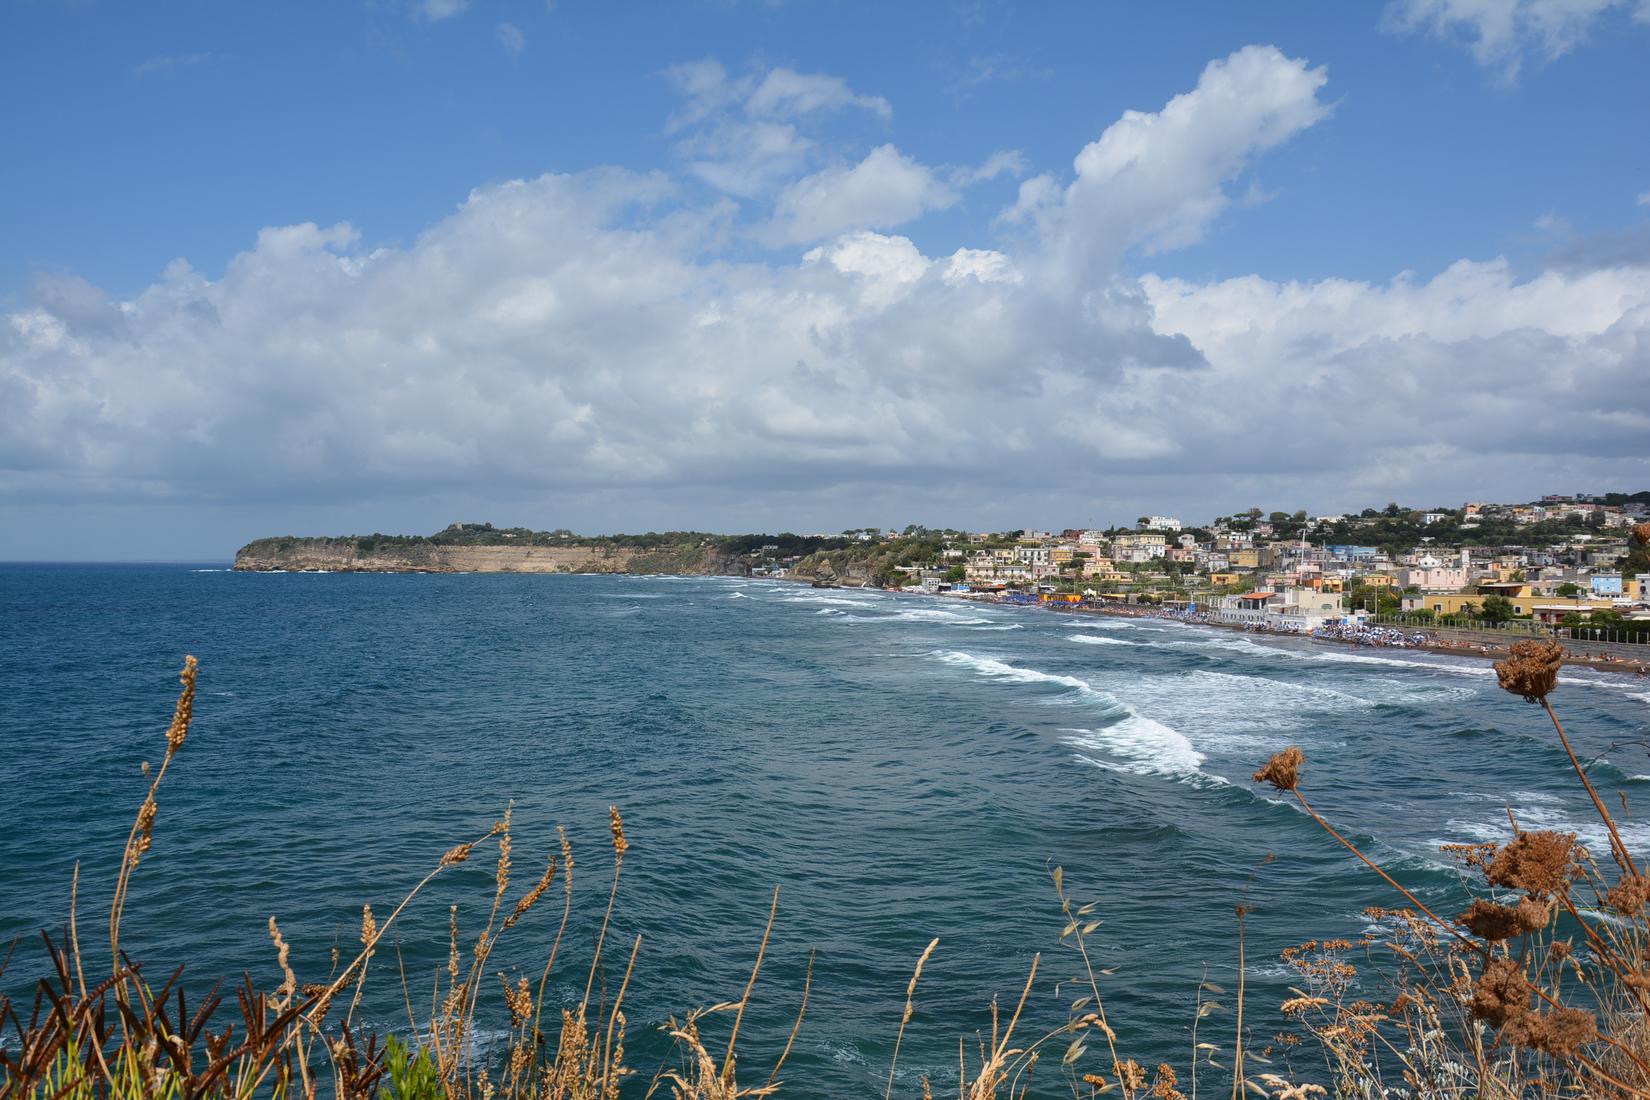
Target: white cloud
579 335
1156 179
437 10
745 135
1501 33
168 62
511 38
1483 369
1644 198
785 93
1004 162
885 189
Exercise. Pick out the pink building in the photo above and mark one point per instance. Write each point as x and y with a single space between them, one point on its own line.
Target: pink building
1431 574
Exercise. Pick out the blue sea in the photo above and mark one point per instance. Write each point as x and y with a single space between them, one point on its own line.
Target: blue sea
902 768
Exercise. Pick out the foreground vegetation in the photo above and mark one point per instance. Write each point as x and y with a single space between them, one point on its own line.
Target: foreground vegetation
1540 988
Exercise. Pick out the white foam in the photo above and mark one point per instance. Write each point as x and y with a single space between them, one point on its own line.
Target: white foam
1133 743
834 601
1095 639
993 669
934 615
1538 810
1145 746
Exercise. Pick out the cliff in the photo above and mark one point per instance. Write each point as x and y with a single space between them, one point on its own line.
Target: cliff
372 554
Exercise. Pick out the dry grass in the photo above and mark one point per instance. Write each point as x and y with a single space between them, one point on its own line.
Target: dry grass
1539 989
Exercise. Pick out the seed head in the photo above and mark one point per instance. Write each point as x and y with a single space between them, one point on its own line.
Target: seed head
1131 1074
185 710
531 898
1503 992
1539 863
519 1000
616 824
369 927
1560 1032
1283 770
1531 669
501 877
456 855
1502 922
1630 894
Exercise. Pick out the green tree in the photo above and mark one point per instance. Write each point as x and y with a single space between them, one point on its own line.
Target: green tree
1497 609
1567 590
956 574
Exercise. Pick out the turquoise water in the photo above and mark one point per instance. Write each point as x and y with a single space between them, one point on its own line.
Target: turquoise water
902 767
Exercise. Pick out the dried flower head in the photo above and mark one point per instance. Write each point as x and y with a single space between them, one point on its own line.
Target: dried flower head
1630 894
616 824
369 927
519 999
501 877
185 710
1503 992
531 898
1163 1086
289 980
1641 533
1283 770
1541 863
1560 1032
1531 669
1495 922
145 831
1131 1074
456 855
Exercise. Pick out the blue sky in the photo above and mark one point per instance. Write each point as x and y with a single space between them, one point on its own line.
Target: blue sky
1413 138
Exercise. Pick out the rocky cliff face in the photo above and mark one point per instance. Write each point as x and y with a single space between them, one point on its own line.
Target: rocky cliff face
347 555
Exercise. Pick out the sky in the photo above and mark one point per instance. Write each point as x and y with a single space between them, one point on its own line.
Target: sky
385 265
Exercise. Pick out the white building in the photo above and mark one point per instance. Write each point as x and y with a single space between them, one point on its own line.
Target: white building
1298 609
1161 523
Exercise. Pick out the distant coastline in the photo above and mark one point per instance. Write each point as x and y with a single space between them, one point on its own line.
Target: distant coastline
351 555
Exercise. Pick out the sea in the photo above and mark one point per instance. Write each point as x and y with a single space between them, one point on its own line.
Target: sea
899 768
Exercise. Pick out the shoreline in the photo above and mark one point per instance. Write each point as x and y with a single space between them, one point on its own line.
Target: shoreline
1484 652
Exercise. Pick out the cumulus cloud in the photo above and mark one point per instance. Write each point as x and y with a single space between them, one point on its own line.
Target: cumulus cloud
1157 179
511 38
1473 369
1502 33
588 333
745 135
885 189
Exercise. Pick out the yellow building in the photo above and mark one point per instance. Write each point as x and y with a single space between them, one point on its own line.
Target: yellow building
1244 559
1220 580
1524 602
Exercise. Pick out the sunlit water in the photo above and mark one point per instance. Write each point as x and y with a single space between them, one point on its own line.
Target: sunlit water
901 767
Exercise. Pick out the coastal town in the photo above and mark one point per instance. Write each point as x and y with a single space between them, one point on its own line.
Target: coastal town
1573 565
